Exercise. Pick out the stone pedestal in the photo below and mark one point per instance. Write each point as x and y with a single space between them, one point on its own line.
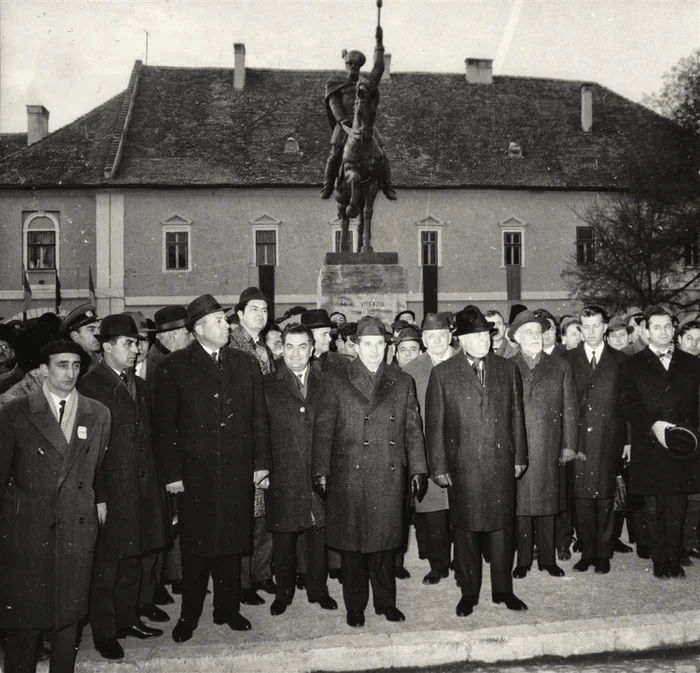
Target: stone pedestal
359 284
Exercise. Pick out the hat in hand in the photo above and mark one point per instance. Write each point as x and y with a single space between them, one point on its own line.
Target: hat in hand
682 443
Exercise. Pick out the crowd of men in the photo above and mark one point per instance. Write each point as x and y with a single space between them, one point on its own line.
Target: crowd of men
141 458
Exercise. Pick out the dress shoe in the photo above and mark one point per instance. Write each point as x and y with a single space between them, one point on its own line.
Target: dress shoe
251 597
694 552
563 554
584 564
141 631
400 573
465 606
176 587
236 622
643 552
161 596
685 559
334 573
390 193
301 581
510 599
675 569
392 614
278 607
355 618
602 565
554 570
434 576
661 571
110 649
153 613
183 631
326 602
268 586
621 548
520 571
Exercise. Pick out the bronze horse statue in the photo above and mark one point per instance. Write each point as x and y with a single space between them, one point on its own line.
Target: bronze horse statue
358 181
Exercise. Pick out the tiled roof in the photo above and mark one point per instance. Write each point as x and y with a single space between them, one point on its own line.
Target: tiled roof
11 143
189 126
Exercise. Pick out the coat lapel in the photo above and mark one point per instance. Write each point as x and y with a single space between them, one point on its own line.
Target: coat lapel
230 360
83 419
358 378
42 417
199 357
384 386
287 379
543 368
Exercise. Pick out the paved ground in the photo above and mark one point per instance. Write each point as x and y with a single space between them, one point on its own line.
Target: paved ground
581 613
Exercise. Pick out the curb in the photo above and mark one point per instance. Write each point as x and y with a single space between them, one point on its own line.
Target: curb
419 648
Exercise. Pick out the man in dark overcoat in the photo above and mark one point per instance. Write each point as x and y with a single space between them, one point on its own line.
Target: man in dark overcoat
659 389
293 508
367 448
51 444
431 516
477 448
601 439
213 445
551 421
135 527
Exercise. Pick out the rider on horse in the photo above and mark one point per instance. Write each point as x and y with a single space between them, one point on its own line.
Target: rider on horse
340 100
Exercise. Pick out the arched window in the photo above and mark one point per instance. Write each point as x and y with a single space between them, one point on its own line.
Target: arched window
41 236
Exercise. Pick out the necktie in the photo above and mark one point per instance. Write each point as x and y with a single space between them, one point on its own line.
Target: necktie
61 411
594 364
217 361
479 371
662 355
302 387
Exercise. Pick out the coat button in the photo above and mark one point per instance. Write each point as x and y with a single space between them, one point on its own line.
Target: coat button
80 484
366 443
392 443
223 425
302 409
81 519
366 418
392 418
216 395
392 468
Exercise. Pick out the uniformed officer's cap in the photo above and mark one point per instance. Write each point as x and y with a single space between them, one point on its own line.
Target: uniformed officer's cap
82 315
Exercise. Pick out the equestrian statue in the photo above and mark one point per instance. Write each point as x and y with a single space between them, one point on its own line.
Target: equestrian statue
357 165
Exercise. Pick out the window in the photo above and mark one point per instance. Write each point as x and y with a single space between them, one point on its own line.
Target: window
41 241
429 247
177 248
512 248
265 247
585 252
691 253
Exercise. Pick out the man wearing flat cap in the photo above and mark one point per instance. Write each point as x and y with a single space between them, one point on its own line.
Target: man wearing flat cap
431 517
477 448
133 520
340 102
367 448
51 444
551 422
213 445
251 312
320 324
660 390
82 326
618 334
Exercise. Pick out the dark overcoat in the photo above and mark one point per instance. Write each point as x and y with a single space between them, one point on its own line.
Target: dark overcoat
551 421
136 521
291 505
602 429
48 520
156 354
436 498
477 434
212 434
650 393
369 440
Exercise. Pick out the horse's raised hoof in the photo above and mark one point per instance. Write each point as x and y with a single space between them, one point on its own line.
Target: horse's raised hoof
351 211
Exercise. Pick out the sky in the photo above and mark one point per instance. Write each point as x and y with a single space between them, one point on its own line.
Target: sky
71 56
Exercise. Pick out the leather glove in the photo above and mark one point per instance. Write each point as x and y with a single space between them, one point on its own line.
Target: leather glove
321 483
419 486
443 480
566 456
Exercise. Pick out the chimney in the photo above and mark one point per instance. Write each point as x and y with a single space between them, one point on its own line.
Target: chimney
37 123
479 70
386 75
238 66
586 108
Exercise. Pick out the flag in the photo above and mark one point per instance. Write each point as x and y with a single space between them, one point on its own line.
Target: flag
91 286
58 294
27 292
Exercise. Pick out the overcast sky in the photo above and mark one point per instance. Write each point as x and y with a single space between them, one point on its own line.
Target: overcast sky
72 56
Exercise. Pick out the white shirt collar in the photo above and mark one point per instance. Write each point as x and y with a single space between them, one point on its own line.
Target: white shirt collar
598 351
208 350
550 350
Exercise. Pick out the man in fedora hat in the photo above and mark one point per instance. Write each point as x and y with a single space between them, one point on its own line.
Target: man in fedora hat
51 444
660 389
135 528
245 335
82 325
320 324
431 517
171 335
213 444
367 447
477 448
551 422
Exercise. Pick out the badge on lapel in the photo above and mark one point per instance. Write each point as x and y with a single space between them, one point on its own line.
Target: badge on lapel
82 432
